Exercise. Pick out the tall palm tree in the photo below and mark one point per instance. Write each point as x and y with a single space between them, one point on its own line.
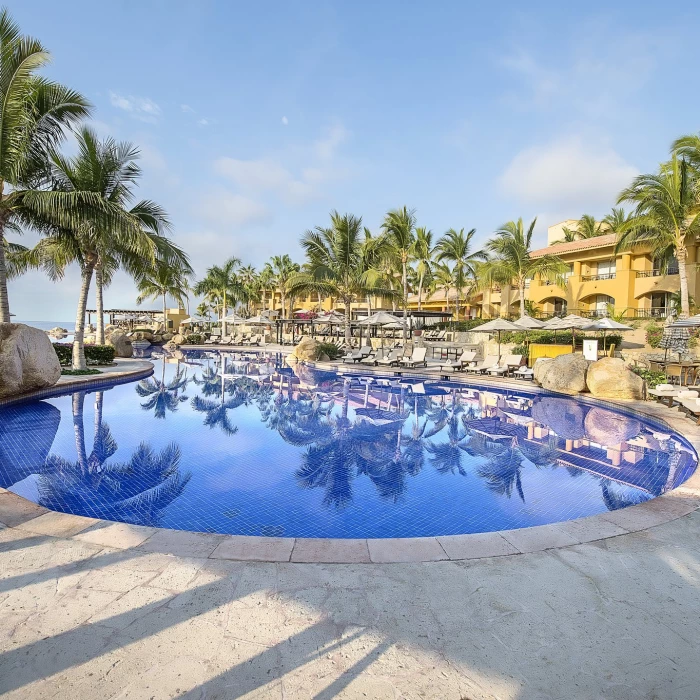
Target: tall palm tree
511 247
618 220
338 263
399 225
422 256
249 279
586 227
282 270
34 113
688 148
442 280
455 246
222 282
108 170
163 280
265 283
667 216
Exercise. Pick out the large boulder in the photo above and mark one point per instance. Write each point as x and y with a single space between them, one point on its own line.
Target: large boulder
308 350
27 360
121 343
541 367
177 339
565 374
609 378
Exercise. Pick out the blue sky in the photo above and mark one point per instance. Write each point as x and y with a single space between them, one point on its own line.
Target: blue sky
256 119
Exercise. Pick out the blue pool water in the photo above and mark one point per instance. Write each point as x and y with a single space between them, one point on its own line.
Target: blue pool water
217 442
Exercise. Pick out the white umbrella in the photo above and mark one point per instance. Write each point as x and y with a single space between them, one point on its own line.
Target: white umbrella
233 317
258 320
195 319
380 318
692 322
568 323
528 323
497 326
605 325
331 317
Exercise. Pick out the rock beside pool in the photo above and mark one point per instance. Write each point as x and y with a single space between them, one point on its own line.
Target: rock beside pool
308 350
565 374
120 342
27 360
540 368
609 378
177 339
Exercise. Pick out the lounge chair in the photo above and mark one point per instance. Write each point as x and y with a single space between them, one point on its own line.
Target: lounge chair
506 364
357 355
692 405
374 358
486 364
392 358
466 358
664 393
417 358
212 340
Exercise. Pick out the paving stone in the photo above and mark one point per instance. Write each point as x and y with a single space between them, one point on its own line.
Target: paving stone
58 524
476 546
15 510
590 529
180 542
536 539
407 549
331 551
255 548
118 535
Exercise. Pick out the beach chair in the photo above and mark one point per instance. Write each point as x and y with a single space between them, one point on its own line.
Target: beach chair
692 406
373 358
417 358
500 368
466 358
486 364
212 340
392 358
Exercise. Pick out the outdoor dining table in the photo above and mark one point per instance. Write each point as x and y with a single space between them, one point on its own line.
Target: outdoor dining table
445 351
686 368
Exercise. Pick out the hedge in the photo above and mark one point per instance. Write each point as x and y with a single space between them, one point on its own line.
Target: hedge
194 339
94 354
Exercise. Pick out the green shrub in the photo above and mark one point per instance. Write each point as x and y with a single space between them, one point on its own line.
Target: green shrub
520 350
194 339
654 334
651 378
79 372
94 354
330 349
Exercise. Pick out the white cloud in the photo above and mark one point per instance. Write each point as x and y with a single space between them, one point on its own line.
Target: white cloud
326 147
187 109
143 108
285 121
226 208
264 175
203 122
567 174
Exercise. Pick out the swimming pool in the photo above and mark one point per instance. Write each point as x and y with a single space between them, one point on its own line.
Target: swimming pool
226 443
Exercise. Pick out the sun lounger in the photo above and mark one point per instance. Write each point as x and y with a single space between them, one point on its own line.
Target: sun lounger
417 358
486 364
664 393
506 364
461 362
392 358
692 405
374 358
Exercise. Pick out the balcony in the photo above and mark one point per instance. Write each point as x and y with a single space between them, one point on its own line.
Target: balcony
657 273
654 312
596 278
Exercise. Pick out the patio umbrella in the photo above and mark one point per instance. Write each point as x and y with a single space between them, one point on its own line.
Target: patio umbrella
605 325
675 338
233 317
194 319
692 322
332 318
381 318
258 320
528 323
568 323
498 325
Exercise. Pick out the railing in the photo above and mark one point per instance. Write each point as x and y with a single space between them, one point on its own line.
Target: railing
595 278
657 273
656 312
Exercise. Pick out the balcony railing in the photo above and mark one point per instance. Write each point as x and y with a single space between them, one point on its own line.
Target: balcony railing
657 273
595 278
655 312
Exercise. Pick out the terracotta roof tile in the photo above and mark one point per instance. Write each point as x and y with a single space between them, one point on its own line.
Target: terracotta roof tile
585 244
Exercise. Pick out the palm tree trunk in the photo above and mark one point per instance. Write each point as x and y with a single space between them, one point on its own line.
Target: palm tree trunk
79 337
681 254
223 316
521 289
420 291
404 280
369 313
165 316
99 305
4 299
347 322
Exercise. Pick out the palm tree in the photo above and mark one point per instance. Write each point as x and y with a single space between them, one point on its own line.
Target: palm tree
455 246
108 170
34 113
688 148
422 256
511 247
281 271
667 217
222 282
163 280
618 220
249 279
442 280
265 283
338 263
400 228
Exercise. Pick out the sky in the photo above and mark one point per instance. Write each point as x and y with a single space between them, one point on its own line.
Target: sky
255 120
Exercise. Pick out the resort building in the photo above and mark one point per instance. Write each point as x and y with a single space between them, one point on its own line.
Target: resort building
597 282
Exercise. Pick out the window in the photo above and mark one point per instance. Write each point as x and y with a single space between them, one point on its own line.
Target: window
607 268
569 272
601 304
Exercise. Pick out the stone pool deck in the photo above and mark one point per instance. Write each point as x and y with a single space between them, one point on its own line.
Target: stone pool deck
604 607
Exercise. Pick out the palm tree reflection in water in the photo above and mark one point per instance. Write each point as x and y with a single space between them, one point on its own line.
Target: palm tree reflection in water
135 491
163 396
